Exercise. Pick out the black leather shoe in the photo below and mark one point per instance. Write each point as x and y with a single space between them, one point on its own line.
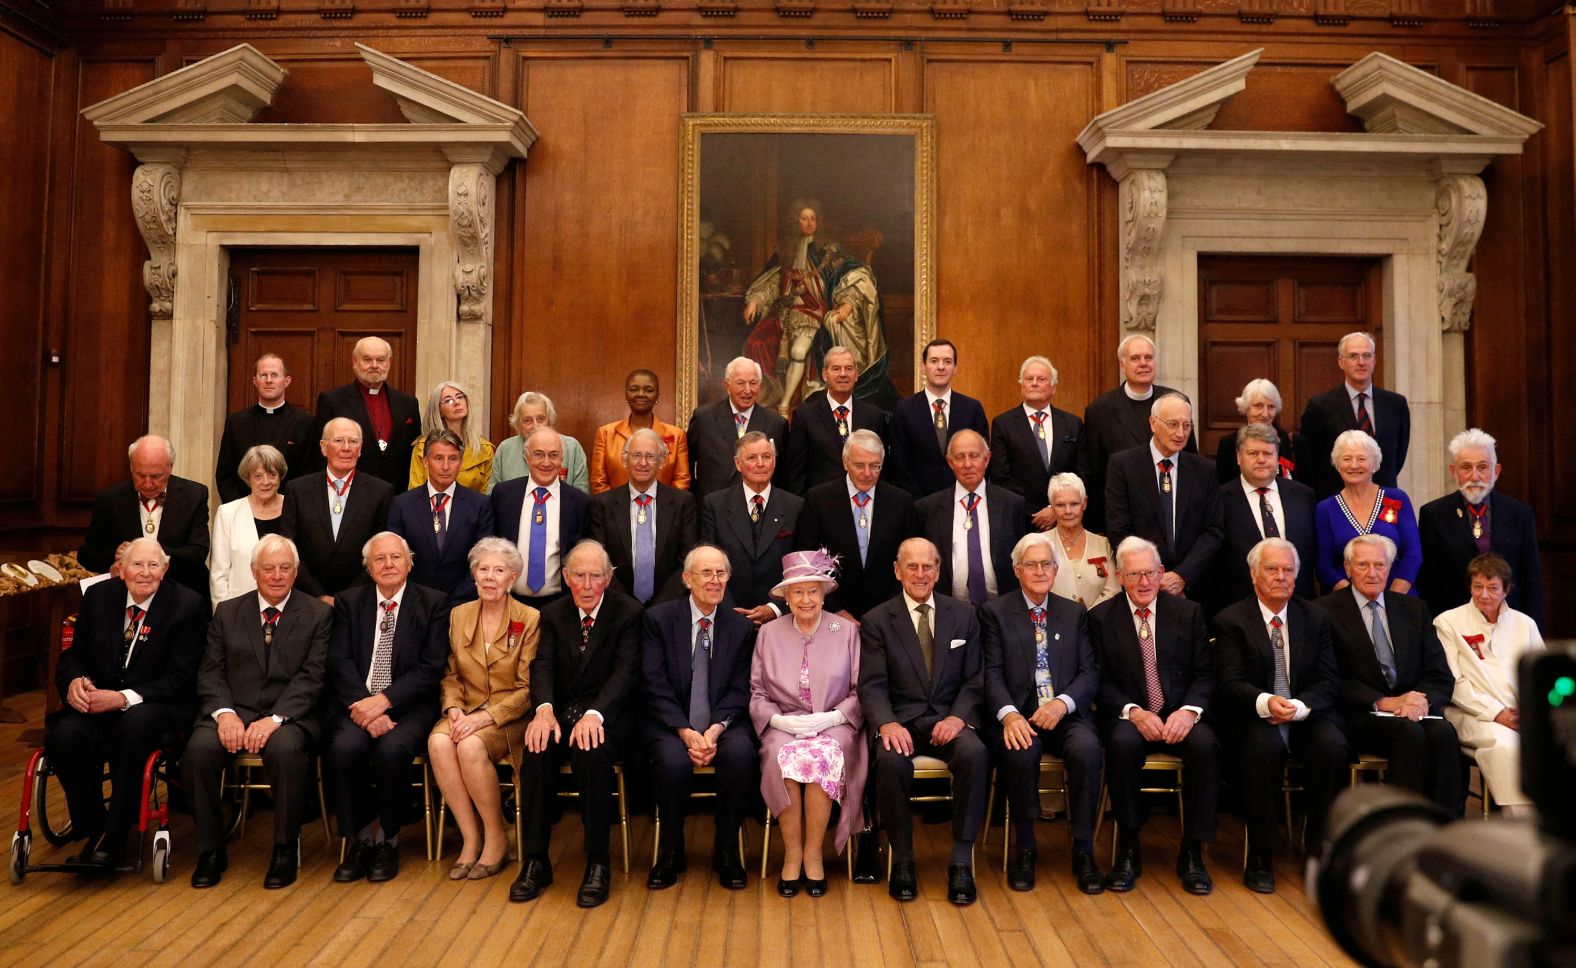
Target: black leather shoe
1128 868
1190 868
594 885
108 851
960 884
787 888
1259 875
1087 873
867 868
384 865
814 887
901 884
358 858
1020 873
535 876
210 867
730 873
665 872
281 867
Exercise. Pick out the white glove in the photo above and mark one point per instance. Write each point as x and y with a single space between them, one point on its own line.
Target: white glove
789 724
817 723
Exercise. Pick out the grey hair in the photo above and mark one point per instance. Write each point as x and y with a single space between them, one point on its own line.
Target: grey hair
1379 541
1473 437
919 542
1024 368
1132 545
270 543
1263 433
262 457
841 349
164 556
1121 348
526 443
689 557
752 437
1034 539
432 421
864 440
1066 481
367 341
662 448
169 448
532 398
366 549
1340 348
589 546
1256 554
502 547
972 433
1259 389
1154 408
734 364
1356 438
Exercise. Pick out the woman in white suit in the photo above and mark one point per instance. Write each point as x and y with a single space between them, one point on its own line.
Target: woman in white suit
240 523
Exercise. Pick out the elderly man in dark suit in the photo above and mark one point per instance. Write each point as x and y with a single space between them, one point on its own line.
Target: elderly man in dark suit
585 674
974 525
861 519
1477 520
754 526
1395 680
128 680
272 420
331 515
386 655
924 422
646 526
543 516
441 520
1279 678
153 504
825 419
1354 405
714 428
390 421
1157 678
1259 504
261 676
920 689
695 655
1041 679
1034 441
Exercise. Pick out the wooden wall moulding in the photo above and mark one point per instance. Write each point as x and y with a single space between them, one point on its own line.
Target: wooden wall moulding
336 9
485 9
1179 11
113 10
716 8
872 9
188 9
641 8
1482 13
1407 13
1029 10
1257 12
795 8
1331 13
1105 11
262 9
412 9
564 8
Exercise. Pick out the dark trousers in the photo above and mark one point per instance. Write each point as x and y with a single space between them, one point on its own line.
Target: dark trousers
1319 745
1078 745
672 775
1125 750
79 744
372 777
287 767
1424 756
594 779
969 762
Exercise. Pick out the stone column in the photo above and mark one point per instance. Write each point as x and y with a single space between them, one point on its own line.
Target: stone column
1142 201
1461 203
471 187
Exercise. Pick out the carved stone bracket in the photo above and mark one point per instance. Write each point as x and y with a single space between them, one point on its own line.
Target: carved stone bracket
155 199
471 216
1143 206
1461 202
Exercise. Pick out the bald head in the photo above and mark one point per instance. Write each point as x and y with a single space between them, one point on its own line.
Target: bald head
341 445
968 455
370 361
152 461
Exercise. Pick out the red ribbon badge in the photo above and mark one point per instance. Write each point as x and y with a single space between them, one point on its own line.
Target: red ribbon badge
516 629
1099 565
1390 510
1474 642
1287 465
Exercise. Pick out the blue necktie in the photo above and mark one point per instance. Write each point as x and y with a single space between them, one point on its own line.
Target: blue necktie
536 569
700 679
1382 647
1282 683
1044 689
976 582
645 549
862 523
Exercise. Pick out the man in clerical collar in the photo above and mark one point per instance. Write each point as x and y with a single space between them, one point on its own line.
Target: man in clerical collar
273 420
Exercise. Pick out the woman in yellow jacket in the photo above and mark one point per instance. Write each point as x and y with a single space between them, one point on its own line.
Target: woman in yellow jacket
449 408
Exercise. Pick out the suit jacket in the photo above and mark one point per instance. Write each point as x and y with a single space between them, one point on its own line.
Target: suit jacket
675 535
288 429
828 522
815 448
230 558
497 679
421 649
470 520
1445 530
183 529
1420 662
711 436
330 564
755 557
508 508
893 686
1330 414
605 676
1008 522
1183 657
163 664
1246 667
391 465
1132 505
284 679
1111 425
1007 636
921 465
666 650
1239 520
1015 453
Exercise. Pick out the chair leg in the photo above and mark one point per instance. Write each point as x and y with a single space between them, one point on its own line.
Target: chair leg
322 807
1099 815
1006 834
623 819
519 824
244 778
443 807
766 840
426 810
990 803
656 833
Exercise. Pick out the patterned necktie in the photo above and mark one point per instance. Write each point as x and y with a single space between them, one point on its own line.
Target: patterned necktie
270 619
585 632
383 652
1481 519
1044 689
842 421
536 568
1267 513
971 526
862 523
133 622
700 679
757 508
1146 648
1039 437
940 407
1282 685
440 526
1382 647
927 638
1167 526
740 421
1364 422
645 550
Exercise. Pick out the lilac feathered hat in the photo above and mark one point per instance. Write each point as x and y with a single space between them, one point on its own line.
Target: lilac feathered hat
801 566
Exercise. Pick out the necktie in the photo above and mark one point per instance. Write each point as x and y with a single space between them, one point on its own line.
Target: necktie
700 679
842 421
645 550
1166 510
585 632
740 421
1267 513
1146 649
971 526
1382 647
940 407
862 523
1044 689
383 652
1480 526
927 638
1282 683
1364 422
536 567
440 527
1039 436
133 621
757 508
270 619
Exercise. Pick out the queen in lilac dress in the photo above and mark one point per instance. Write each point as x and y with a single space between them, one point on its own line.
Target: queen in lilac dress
804 703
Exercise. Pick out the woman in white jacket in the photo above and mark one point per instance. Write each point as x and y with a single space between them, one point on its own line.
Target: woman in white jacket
240 523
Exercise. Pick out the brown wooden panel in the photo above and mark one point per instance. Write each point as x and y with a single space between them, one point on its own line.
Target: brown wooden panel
1279 97
1230 365
1240 300
1330 301
297 347
369 290
323 91
1313 371
801 84
1559 161
282 289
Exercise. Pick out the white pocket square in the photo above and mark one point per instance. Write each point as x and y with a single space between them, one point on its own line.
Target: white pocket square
959 643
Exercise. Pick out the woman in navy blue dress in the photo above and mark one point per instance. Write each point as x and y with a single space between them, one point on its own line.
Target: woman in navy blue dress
1363 507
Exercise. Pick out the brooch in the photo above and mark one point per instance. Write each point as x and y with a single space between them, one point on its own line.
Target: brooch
1391 511
516 629
1099 566
1474 642
836 626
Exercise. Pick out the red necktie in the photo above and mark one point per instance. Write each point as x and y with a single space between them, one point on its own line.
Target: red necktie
1146 648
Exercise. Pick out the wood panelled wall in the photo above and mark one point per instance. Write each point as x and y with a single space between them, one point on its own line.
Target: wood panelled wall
586 236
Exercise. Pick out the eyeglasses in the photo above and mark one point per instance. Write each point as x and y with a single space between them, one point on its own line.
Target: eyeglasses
344 441
711 574
1037 566
641 457
1148 574
1174 425
452 399
546 455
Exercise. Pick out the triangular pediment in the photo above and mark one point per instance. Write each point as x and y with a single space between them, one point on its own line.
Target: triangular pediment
227 88
426 98
1187 105
1393 97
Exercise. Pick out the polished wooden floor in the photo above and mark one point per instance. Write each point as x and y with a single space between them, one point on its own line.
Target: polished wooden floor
423 919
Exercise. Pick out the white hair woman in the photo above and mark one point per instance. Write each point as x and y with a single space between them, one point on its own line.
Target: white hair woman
1363 507
239 524
532 411
449 408
1259 403
1085 570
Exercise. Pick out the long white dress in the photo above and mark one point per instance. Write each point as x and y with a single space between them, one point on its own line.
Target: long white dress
1483 656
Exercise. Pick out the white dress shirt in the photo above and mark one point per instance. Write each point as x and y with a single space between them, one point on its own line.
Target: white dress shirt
1252 493
930 403
1155 457
1050 438
335 499
1262 704
262 604
552 583
870 505
1132 611
583 614
634 515
1009 709
144 516
1351 394
960 542
398 599
132 696
448 505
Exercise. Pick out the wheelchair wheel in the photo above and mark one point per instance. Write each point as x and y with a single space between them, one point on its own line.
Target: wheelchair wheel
161 860
58 834
21 846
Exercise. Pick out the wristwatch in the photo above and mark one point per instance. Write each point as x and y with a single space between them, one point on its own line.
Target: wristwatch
278 720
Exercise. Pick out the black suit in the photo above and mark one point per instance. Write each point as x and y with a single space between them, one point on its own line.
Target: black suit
254 680
828 521
288 429
391 465
921 463
356 764
1227 468
815 447
1445 526
1330 414
468 520
1424 755
1112 423
182 533
755 554
1241 528
895 688
711 436
573 673
1015 461
162 669
673 537
1246 670
1004 510
574 523
667 647
1132 506
332 563
1185 665
1008 635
